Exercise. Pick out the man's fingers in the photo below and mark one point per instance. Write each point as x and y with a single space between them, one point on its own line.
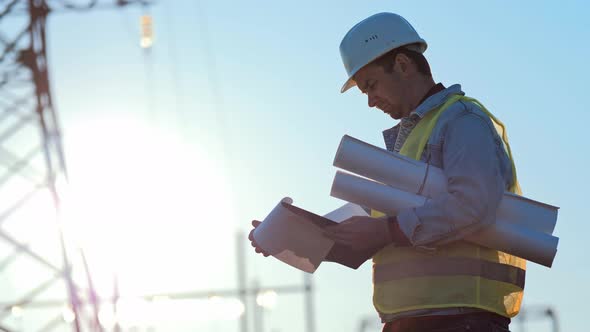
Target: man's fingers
260 251
255 223
253 243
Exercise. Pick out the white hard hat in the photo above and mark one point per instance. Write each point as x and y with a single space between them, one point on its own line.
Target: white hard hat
373 37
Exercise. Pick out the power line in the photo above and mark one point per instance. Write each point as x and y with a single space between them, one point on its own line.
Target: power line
174 72
224 135
211 69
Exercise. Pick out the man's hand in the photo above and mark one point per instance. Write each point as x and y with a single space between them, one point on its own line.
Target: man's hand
361 233
259 250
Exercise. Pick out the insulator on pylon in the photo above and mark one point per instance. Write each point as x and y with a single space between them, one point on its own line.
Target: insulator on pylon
147 32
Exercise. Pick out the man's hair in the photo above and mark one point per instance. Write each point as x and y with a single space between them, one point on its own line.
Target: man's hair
387 60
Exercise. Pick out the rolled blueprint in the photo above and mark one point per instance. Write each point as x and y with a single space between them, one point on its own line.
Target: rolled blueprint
504 235
420 178
520 241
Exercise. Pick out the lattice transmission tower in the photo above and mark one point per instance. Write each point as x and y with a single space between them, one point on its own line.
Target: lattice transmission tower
36 262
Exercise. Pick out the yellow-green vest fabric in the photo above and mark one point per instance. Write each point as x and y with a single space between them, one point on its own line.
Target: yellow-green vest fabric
459 274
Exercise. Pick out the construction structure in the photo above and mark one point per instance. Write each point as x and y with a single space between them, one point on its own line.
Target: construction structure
36 261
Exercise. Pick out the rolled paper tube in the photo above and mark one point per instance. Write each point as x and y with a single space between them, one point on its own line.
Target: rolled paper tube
417 177
394 169
292 238
504 235
520 241
364 192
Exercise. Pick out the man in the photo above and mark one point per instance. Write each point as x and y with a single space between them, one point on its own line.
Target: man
425 277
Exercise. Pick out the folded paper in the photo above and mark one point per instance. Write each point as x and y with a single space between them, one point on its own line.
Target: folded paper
346 211
294 235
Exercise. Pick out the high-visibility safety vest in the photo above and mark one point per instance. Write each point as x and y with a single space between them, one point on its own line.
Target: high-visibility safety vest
459 274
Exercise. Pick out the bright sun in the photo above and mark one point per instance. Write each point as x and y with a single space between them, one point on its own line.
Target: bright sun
148 206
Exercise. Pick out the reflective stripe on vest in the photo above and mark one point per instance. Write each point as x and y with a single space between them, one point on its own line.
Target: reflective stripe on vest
459 274
450 266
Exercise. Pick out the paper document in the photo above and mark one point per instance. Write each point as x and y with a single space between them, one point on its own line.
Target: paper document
346 211
294 235
293 238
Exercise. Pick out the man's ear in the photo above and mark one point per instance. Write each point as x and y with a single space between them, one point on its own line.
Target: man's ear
403 65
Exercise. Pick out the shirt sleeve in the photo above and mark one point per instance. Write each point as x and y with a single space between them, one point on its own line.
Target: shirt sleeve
475 185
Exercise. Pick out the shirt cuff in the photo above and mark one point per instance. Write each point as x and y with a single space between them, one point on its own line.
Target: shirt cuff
397 235
408 223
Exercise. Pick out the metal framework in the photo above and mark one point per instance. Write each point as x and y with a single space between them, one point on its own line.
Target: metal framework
40 273
35 262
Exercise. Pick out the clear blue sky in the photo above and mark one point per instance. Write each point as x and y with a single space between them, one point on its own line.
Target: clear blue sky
247 94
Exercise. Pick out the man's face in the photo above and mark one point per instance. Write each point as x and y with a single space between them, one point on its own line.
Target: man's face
384 90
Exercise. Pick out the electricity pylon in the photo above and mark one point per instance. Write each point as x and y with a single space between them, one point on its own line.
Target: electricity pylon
35 258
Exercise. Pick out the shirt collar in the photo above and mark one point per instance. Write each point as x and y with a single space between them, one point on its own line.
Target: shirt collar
435 88
435 100
429 103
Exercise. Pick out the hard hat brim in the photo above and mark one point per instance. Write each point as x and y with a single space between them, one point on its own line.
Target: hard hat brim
347 85
419 46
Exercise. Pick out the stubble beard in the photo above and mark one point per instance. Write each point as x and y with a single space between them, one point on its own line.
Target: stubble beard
392 112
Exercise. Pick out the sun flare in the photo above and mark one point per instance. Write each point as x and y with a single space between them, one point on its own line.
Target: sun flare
146 206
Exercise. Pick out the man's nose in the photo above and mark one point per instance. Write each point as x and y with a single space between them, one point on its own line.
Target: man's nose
372 101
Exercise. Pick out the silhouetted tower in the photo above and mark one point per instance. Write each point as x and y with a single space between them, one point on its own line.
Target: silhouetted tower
35 259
